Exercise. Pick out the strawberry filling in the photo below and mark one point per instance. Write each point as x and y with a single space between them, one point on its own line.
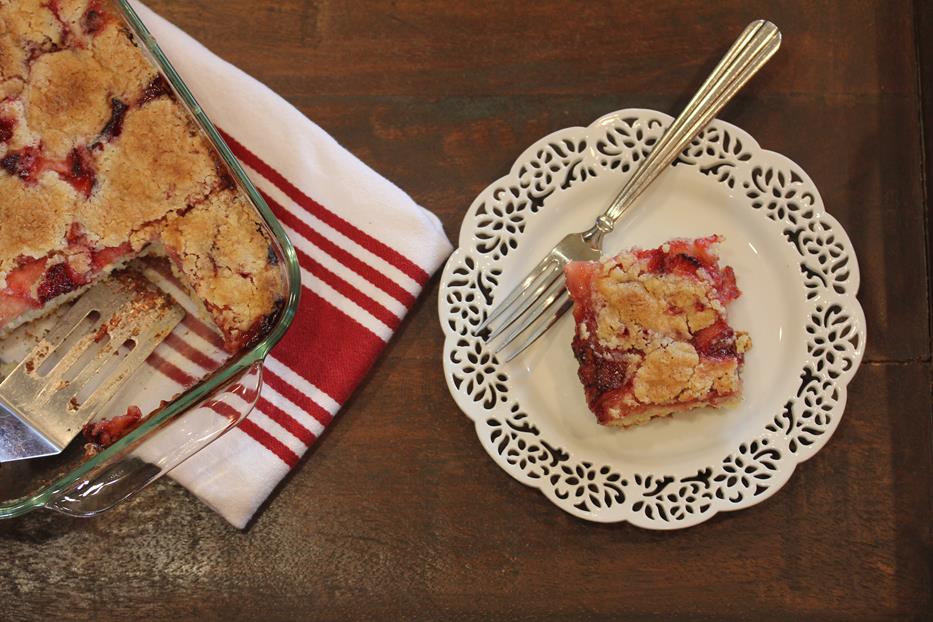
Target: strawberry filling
33 282
108 256
716 341
6 129
114 125
687 257
16 298
58 280
12 307
107 432
24 163
94 19
608 374
155 89
29 163
77 170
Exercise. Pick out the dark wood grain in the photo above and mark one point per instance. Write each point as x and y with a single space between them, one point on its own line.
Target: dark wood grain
924 27
398 512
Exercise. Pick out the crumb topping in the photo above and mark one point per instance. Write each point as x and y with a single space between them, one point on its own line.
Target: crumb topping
31 232
640 309
99 163
665 372
65 114
12 62
223 256
128 72
31 25
157 166
62 114
651 333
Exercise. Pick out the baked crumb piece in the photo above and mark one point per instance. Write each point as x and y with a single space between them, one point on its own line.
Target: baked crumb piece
105 432
227 262
31 26
12 63
158 166
651 333
70 92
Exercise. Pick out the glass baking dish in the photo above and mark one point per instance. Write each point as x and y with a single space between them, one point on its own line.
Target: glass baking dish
80 485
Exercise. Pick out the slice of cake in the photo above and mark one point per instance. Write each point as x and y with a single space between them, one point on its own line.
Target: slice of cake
100 164
652 337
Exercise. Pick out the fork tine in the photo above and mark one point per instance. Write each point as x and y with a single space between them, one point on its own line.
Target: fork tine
519 294
563 303
540 306
528 301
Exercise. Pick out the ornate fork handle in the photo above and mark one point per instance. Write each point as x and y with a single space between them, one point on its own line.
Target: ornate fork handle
757 43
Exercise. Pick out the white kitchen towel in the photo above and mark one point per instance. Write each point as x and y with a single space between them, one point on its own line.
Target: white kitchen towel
366 250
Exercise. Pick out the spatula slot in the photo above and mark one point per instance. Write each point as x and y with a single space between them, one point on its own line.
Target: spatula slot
59 350
107 362
94 349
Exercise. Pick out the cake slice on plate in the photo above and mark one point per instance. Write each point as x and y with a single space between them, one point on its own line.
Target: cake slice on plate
652 336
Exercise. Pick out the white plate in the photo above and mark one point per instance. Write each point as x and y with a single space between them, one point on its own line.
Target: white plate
798 275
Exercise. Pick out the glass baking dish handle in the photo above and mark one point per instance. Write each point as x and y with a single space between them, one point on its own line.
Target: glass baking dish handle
129 472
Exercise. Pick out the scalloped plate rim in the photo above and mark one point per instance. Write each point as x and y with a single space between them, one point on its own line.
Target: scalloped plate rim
789 465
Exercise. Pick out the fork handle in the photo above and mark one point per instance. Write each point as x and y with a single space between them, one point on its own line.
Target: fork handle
754 47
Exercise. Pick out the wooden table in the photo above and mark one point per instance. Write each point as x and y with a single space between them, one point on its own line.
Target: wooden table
398 512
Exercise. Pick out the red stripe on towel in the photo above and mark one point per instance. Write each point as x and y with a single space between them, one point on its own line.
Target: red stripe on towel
341 255
268 441
320 212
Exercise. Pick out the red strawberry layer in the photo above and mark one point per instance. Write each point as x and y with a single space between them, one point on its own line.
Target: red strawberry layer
108 431
34 282
686 257
29 163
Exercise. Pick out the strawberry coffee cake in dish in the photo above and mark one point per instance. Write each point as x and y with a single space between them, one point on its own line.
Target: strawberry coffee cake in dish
652 336
100 164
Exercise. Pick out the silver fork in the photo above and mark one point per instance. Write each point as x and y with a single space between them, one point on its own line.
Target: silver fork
541 298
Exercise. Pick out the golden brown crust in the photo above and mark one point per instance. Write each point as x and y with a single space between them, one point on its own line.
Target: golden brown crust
31 24
34 218
642 328
157 166
61 113
11 88
69 94
665 373
150 177
659 307
12 57
128 72
223 256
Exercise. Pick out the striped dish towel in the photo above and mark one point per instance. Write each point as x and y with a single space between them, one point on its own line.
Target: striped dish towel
366 251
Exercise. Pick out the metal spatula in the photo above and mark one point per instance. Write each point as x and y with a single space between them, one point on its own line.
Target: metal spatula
80 364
